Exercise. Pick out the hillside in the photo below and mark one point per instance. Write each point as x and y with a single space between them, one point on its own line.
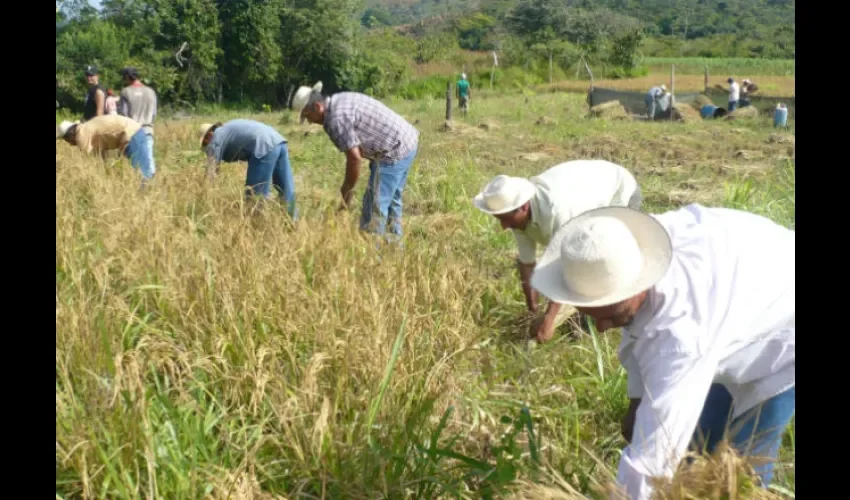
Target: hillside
684 18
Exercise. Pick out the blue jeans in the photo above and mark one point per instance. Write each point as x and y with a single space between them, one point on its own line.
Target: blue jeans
387 180
733 105
272 169
756 433
140 153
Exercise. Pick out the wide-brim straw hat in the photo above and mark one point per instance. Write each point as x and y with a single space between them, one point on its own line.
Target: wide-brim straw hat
603 256
503 194
302 97
202 131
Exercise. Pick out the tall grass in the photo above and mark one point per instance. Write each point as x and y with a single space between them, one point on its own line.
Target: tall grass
205 351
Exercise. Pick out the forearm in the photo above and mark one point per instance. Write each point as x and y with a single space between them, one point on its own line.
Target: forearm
212 168
352 172
525 272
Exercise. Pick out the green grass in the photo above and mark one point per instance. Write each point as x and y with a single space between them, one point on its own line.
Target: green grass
724 65
201 351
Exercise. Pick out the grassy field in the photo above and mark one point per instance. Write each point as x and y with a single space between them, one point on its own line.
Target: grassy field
203 352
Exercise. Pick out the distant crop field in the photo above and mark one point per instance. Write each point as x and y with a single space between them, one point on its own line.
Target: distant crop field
742 67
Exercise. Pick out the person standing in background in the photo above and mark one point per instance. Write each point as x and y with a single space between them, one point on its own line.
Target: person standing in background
95 97
111 105
734 94
463 93
139 102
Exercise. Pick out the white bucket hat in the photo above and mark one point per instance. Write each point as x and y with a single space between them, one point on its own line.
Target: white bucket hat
63 128
503 194
302 97
603 256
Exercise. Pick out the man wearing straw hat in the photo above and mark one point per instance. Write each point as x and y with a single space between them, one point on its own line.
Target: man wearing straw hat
363 127
261 146
111 132
533 209
705 298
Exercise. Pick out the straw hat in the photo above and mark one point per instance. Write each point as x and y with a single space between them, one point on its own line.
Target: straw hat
603 256
663 87
202 131
64 127
503 194
303 95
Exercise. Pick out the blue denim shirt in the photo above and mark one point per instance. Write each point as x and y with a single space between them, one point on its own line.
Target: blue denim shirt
238 140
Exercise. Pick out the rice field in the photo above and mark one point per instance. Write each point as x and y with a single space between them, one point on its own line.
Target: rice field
203 351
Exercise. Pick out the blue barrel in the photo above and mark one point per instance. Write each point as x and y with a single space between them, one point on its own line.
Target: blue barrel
780 117
707 111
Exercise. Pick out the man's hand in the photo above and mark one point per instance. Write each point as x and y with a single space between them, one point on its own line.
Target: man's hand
525 271
542 329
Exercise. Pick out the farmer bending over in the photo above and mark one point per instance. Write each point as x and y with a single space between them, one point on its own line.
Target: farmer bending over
363 127
111 132
535 208
262 147
705 299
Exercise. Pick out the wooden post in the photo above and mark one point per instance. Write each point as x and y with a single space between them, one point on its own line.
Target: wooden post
672 88
493 71
705 79
449 101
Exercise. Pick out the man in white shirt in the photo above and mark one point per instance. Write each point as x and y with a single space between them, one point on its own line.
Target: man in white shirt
657 100
734 94
535 208
706 300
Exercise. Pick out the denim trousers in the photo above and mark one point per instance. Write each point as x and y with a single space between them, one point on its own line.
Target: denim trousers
757 433
382 203
275 170
140 153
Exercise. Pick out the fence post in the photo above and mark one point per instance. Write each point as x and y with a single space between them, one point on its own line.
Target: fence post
705 79
449 101
672 89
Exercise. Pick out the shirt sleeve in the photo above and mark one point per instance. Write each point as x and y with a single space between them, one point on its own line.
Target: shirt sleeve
527 247
342 134
634 379
676 385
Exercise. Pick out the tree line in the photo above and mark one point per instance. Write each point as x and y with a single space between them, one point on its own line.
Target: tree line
237 51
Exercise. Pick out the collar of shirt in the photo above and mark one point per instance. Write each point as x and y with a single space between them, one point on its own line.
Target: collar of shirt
541 216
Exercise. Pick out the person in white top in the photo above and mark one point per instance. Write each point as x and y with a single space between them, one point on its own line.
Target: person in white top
705 298
535 208
734 94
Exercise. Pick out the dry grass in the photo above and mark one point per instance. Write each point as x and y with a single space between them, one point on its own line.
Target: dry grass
205 352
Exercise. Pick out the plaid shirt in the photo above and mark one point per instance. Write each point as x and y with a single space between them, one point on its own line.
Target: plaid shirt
354 119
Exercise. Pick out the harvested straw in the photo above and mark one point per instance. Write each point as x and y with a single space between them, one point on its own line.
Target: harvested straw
700 101
745 112
611 110
685 113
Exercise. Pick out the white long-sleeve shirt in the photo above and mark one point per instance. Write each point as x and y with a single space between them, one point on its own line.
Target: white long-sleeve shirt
724 313
566 190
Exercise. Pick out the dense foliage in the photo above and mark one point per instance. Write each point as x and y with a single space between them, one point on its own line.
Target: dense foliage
259 51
